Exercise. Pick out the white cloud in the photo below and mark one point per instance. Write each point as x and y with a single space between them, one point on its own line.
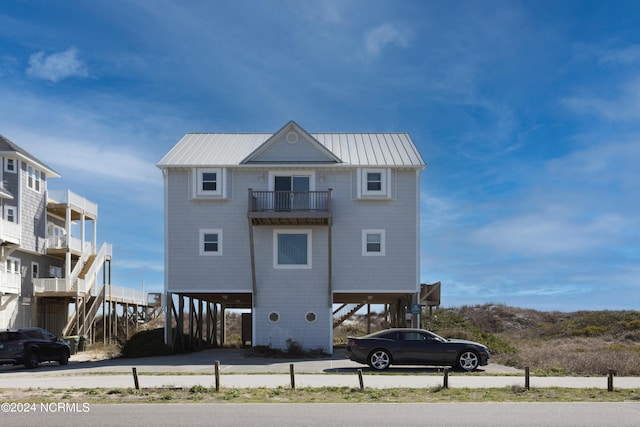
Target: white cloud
57 66
623 108
624 56
383 36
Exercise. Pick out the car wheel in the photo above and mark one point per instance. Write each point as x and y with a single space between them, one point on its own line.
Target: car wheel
468 360
64 359
379 359
32 361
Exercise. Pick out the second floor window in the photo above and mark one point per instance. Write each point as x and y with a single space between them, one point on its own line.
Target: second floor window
208 182
10 213
10 165
13 265
33 179
374 183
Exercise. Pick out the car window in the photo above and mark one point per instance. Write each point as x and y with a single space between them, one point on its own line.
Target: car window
9 336
34 334
48 335
389 335
414 336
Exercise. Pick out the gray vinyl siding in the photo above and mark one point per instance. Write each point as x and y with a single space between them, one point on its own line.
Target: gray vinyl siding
11 180
189 271
301 151
32 215
394 272
44 264
292 292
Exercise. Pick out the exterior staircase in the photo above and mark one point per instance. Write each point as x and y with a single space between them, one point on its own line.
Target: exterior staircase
344 312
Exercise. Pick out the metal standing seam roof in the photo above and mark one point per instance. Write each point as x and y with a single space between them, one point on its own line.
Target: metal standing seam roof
354 149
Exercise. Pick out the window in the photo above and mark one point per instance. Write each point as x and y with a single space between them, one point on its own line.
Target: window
374 183
55 271
35 270
13 265
208 182
33 178
311 317
274 317
10 165
292 249
373 242
10 213
211 242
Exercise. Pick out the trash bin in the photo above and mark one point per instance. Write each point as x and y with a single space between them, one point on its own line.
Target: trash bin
73 343
82 343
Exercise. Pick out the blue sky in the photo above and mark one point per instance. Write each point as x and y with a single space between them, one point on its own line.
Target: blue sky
527 114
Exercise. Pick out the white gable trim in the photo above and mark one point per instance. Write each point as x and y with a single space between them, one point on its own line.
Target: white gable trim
284 133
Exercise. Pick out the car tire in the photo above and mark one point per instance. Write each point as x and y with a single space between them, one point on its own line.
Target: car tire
379 359
64 359
32 360
468 360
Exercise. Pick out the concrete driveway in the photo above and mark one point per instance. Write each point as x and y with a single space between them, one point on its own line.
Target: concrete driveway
237 370
231 361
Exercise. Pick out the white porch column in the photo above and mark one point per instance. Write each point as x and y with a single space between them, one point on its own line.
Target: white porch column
82 221
67 231
94 239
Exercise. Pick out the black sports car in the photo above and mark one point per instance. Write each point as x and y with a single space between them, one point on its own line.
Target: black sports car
415 347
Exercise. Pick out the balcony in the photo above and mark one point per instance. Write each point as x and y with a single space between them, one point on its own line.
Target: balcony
60 200
10 283
9 231
57 245
289 207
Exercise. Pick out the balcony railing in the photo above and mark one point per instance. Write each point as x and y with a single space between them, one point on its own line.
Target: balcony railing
60 285
67 286
10 283
302 207
9 231
67 197
66 242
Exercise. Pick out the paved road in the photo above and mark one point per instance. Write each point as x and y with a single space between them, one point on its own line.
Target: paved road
242 372
620 414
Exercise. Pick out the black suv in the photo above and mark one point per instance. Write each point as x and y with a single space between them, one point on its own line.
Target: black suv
30 346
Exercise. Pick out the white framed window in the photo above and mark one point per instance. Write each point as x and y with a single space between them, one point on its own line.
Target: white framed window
35 270
373 242
55 271
292 249
12 265
374 182
56 236
10 214
211 242
10 165
34 179
208 182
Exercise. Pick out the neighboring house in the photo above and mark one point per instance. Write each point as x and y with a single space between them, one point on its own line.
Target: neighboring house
290 224
50 264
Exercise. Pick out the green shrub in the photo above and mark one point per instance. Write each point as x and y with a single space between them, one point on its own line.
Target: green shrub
146 344
449 324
